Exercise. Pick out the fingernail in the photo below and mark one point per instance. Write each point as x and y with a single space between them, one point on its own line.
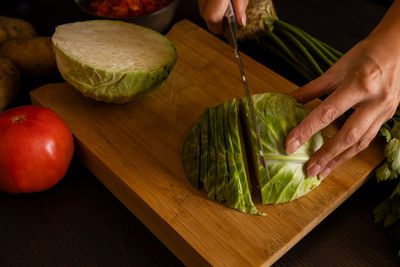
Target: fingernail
324 173
244 20
314 170
292 146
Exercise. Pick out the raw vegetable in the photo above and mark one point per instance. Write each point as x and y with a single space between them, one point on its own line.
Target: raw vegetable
126 8
222 171
277 115
209 184
222 165
241 181
13 28
232 139
388 212
305 54
3 35
112 61
203 172
191 155
34 57
36 148
9 82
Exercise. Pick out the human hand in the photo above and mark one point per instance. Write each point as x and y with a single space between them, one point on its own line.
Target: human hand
213 12
367 78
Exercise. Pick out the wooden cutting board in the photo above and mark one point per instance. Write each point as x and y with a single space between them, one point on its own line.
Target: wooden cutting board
135 150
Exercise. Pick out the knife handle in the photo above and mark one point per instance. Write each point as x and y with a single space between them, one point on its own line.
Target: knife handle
230 26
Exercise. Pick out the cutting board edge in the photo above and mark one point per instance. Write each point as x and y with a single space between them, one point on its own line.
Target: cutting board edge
317 220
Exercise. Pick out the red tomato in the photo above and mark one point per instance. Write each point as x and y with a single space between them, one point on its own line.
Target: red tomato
36 148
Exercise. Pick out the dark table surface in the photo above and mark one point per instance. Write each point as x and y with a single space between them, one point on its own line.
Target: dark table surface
80 223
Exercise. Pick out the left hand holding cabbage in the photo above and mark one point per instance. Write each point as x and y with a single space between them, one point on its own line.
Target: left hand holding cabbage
367 79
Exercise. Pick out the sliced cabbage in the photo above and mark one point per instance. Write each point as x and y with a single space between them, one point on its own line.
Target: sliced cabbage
228 141
203 173
191 155
222 165
112 61
239 186
209 184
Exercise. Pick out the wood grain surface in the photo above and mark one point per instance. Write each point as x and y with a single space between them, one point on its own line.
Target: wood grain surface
135 150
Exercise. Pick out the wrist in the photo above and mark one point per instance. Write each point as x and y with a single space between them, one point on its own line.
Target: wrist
385 36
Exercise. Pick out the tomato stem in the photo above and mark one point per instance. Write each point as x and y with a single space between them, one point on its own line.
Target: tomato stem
18 118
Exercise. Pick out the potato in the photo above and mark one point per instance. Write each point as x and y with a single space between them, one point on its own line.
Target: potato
14 28
9 82
34 57
3 35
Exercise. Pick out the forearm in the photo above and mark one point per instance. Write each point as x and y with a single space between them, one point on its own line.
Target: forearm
386 34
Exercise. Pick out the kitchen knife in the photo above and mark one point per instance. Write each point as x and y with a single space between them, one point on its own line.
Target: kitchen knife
230 32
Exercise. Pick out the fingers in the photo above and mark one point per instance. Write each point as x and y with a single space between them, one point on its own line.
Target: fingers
324 114
355 136
240 10
352 151
213 12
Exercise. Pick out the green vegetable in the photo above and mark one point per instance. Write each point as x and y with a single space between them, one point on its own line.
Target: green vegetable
240 182
277 115
191 155
233 193
231 141
204 147
388 212
222 165
209 184
112 61
305 54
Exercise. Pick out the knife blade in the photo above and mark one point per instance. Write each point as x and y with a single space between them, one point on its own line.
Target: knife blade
230 32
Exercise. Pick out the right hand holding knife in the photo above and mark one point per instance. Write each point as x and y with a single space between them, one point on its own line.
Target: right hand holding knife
213 12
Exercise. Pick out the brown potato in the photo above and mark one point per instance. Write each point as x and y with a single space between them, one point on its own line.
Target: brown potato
15 29
34 57
9 82
3 35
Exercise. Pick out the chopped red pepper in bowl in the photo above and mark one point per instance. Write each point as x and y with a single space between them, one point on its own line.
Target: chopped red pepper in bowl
153 14
126 8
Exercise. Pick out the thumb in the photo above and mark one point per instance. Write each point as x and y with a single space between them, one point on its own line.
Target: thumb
240 10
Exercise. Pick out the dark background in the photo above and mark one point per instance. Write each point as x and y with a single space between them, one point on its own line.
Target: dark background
80 223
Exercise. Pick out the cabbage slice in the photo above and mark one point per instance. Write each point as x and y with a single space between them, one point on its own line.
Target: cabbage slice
276 115
203 121
239 186
112 61
209 184
191 155
222 166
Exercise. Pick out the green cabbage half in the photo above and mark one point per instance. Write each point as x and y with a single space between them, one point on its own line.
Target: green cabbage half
222 144
112 61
